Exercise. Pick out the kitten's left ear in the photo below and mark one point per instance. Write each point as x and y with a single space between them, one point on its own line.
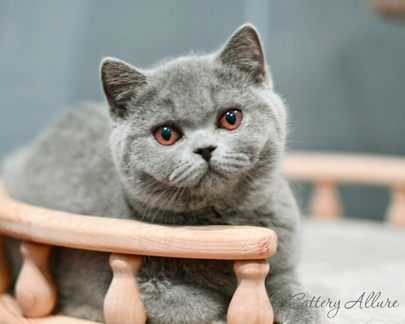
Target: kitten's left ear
244 50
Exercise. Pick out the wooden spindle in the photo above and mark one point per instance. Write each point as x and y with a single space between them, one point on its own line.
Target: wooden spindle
122 304
250 303
325 202
35 290
396 210
5 273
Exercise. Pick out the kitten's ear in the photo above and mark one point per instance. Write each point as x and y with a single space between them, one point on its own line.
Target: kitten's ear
244 50
121 82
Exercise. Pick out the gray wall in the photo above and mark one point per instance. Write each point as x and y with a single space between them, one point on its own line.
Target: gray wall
342 72
50 50
339 67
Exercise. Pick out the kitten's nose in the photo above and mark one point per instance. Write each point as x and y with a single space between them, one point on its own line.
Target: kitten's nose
205 152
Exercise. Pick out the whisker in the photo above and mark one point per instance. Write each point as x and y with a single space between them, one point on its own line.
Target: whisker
179 172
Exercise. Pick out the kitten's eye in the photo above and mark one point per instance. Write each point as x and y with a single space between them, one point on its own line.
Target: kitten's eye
230 119
166 135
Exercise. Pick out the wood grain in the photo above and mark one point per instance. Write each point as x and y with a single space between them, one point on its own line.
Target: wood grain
51 227
35 290
122 304
250 303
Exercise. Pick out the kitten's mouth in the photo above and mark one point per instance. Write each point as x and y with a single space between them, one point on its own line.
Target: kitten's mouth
206 178
211 180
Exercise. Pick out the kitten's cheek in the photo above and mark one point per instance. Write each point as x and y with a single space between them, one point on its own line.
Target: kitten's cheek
221 150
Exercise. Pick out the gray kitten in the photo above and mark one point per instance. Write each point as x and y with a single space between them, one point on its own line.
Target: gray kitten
195 141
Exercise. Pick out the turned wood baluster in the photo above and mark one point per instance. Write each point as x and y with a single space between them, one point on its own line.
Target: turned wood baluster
250 303
325 202
35 290
396 210
5 274
122 304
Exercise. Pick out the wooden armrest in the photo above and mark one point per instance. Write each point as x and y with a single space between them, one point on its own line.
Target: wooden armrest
51 227
366 169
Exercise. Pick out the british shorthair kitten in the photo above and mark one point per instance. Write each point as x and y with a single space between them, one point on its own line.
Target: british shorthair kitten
198 140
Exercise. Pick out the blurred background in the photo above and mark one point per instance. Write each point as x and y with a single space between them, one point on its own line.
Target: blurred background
339 65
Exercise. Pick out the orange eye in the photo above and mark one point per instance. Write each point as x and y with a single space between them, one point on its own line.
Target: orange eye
230 119
166 135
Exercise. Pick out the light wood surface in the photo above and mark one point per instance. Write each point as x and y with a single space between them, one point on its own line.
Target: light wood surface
132 237
127 240
250 303
122 304
396 209
10 313
325 201
367 169
35 290
329 169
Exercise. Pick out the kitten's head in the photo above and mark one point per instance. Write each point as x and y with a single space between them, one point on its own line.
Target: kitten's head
201 125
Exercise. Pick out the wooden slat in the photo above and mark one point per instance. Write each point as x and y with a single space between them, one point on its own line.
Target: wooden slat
250 304
396 210
132 237
123 288
35 290
325 202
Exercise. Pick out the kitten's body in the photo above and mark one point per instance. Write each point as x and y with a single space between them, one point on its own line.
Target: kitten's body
71 168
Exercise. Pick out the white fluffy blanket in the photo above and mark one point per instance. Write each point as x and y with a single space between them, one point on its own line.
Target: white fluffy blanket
343 259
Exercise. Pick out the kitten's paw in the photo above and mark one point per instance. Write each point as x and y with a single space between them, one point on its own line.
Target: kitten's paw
167 301
286 296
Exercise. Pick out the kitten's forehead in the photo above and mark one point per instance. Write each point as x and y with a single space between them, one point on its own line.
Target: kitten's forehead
186 88
191 92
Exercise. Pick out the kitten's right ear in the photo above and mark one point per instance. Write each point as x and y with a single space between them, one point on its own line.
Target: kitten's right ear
121 82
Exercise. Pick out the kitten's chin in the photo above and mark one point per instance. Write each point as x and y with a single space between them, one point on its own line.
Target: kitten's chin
213 182
208 182
184 196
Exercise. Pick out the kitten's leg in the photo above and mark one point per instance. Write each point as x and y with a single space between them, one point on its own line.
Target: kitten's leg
169 301
288 310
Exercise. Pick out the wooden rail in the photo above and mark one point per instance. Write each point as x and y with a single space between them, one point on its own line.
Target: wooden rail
132 237
39 228
327 170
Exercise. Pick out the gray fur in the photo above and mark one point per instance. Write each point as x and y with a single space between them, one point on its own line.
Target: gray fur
91 164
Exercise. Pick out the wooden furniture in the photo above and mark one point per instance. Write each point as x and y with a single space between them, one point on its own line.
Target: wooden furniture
327 170
127 240
394 9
